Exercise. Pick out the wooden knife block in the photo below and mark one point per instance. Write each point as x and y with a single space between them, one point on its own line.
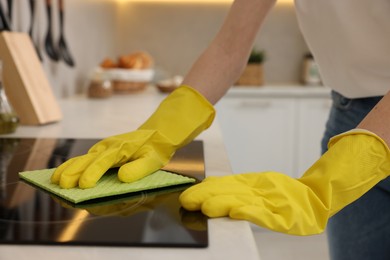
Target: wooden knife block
25 82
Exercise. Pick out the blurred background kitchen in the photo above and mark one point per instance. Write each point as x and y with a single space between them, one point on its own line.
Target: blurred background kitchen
173 32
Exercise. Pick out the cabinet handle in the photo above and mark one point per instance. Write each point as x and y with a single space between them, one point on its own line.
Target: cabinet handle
256 104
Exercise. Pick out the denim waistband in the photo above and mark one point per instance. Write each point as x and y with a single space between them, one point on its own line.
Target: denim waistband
344 103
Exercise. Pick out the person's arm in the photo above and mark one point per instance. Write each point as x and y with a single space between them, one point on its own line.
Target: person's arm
222 62
377 120
184 114
354 163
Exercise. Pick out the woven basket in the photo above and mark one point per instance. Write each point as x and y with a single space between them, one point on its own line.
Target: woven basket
128 86
251 76
129 80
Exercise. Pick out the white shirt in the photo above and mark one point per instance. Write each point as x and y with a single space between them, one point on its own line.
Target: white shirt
350 41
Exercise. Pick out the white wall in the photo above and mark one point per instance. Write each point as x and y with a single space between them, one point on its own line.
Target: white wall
89 32
174 33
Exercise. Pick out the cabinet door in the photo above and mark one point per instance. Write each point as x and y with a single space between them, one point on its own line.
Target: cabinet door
258 133
312 114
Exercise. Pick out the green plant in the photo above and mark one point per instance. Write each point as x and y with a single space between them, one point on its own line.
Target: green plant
256 56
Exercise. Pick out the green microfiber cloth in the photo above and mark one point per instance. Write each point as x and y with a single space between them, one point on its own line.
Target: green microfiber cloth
108 185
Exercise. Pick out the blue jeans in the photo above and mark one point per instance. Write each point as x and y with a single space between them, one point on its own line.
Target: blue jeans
362 229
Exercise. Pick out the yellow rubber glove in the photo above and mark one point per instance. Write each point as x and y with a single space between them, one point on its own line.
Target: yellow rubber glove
354 163
181 116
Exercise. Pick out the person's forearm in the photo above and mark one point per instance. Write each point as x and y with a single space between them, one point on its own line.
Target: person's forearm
378 120
222 62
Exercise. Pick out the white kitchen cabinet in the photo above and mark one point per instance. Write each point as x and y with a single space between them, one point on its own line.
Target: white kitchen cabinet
278 130
311 115
258 133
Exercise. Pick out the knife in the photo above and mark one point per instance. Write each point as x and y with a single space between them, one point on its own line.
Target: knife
10 8
4 26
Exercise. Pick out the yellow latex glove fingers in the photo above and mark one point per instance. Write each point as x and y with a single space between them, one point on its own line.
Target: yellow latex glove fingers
354 163
134 153
181 116
270 199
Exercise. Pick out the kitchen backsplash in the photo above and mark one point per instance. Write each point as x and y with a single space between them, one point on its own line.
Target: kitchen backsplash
173 33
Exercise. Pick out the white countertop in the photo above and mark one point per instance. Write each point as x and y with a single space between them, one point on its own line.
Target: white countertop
92 118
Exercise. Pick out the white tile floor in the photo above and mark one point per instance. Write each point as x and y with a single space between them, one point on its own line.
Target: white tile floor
276 246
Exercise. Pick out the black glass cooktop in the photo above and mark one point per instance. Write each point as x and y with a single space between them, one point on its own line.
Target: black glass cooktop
29 215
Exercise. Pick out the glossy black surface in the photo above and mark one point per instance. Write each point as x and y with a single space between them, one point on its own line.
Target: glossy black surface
29 215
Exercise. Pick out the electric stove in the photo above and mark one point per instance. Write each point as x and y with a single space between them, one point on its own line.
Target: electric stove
29 215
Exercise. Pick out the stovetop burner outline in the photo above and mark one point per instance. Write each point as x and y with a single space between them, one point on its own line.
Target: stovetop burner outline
104 229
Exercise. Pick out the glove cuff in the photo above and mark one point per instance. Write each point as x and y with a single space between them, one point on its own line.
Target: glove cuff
357 131
183 115
355 162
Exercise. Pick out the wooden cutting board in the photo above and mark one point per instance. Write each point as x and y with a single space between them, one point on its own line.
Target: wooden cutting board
25 82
